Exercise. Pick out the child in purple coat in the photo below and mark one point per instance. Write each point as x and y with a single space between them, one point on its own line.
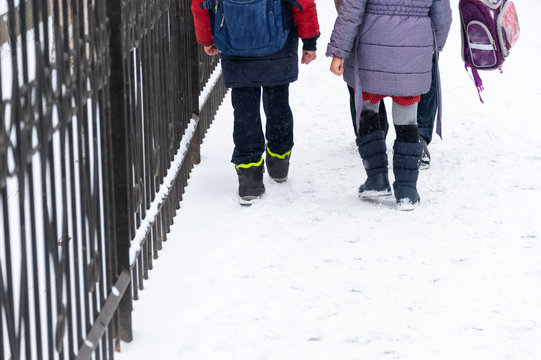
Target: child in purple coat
384 48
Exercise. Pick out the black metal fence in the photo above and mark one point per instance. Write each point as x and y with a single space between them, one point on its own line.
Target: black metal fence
103 106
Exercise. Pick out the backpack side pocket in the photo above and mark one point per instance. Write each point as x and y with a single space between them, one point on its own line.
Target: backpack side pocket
481 45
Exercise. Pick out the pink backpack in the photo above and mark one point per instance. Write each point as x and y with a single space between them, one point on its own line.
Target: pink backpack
490 28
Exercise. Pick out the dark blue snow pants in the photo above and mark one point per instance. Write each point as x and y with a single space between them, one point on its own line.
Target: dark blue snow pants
427 108
248 133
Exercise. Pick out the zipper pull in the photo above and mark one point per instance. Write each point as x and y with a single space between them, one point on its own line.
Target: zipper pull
222 23
216 7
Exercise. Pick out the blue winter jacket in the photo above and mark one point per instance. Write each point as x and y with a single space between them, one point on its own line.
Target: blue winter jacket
276 69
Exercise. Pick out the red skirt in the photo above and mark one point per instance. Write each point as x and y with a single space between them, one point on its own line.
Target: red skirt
400 100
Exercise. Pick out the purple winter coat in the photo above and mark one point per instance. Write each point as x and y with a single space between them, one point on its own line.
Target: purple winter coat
395 42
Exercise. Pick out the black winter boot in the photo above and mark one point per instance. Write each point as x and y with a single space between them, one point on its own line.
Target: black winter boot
374 154
250 182
406 171
278 165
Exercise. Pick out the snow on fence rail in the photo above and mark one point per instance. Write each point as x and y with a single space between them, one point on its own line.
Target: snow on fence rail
103 106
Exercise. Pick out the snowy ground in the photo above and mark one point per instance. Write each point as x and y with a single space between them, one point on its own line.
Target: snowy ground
311 272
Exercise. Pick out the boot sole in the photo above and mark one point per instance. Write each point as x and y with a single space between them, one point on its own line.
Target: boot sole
248 200
280 180
373 194
406 205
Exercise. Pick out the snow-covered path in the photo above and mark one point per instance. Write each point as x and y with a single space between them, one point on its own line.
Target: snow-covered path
311 272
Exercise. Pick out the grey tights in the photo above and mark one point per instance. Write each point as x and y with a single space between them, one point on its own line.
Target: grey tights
402 115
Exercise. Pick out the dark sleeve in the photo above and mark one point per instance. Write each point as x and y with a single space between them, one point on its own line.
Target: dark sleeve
310 44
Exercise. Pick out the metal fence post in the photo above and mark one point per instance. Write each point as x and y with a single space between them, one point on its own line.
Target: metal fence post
120 161
188 33
194 70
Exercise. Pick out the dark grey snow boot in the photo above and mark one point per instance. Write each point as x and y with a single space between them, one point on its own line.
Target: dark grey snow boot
374 154
277 165
250 182
406 171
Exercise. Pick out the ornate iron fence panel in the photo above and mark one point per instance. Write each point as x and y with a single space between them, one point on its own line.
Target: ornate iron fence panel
56 268
103 106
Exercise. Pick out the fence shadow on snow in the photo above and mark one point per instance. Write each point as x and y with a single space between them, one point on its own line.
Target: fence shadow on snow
103 107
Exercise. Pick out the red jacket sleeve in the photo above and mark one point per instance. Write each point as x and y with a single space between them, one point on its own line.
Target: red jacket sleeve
306 20
201 21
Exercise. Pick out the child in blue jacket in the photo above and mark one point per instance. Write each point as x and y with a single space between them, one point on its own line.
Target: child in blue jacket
251 78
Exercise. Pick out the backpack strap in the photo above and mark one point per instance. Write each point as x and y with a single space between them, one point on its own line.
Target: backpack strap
295 3
475 77
208 4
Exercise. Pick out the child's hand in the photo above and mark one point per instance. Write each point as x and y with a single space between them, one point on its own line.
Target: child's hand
337 66
308 56
211 50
